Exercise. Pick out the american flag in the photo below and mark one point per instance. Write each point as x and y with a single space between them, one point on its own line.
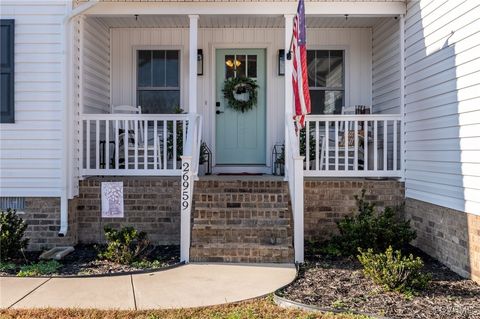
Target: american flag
301 92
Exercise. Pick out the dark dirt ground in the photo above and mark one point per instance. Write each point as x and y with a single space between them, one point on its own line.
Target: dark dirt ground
84 261
336 282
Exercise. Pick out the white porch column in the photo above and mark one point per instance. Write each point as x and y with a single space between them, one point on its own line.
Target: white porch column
192 71
294 173
288 77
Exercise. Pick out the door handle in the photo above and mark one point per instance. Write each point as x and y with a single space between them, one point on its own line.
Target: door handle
218 112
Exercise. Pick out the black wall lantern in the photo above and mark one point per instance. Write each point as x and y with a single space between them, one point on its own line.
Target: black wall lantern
199 62
281 62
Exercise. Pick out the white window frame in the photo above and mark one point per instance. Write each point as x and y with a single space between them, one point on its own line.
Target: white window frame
181 62
346 68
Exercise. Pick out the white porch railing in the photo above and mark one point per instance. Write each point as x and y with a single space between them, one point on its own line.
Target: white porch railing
132 144
352 145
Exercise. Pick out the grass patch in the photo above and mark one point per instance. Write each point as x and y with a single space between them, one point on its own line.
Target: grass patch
41 268
263 308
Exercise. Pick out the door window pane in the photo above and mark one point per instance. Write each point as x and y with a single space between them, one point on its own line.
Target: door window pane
252 66
240 64
229 66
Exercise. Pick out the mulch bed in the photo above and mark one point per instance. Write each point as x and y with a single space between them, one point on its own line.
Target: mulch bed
334 282
84 261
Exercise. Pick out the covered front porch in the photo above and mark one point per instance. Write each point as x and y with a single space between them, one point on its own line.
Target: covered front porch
169 67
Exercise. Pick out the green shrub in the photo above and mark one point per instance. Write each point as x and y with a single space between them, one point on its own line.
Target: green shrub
370 229
147 264
7 266
125 245
12 229
393 271
39 269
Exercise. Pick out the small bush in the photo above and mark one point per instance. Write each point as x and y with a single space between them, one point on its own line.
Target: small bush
147 264
125 245
393 271
39 269
7 266
370 229
12 229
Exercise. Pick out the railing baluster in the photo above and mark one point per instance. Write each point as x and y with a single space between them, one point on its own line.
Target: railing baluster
107 145
317 139
97 144
375 145
394 166
165 166
345 143
145 144
385 149
307 146
87 159
174 144
135 153
365 145
156 145
125 143
327 147
355 146
336 145
117 146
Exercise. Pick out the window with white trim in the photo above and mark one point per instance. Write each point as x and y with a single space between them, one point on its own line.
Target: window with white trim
158 81
326 80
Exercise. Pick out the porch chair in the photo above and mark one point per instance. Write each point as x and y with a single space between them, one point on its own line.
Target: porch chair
349 157
128 127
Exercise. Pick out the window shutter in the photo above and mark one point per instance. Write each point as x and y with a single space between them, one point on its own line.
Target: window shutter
7 71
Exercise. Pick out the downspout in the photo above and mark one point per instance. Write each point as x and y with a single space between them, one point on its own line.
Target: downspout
67 70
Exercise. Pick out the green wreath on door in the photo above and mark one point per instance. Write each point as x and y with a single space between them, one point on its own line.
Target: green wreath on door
241 93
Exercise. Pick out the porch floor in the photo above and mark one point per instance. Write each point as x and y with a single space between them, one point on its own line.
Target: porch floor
191 285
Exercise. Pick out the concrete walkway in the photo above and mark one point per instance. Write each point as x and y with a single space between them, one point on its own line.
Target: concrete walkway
192 285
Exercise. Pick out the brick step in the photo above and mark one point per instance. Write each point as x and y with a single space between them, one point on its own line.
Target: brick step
241 221
250 253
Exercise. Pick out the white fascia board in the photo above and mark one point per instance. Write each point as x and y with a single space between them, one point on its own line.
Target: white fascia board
370 9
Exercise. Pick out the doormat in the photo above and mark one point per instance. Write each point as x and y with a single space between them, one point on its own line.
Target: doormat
240 174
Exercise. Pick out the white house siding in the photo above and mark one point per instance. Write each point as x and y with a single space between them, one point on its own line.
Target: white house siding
386 66
96 66
357 42
31 148
442 96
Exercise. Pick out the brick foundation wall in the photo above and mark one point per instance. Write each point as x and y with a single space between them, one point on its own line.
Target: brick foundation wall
328 201
42 214
151 204
451 236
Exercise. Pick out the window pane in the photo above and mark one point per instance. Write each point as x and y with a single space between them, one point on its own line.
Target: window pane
333 102
335 76
252 66
5 47
326 102
241 67
158 102
229 66
158 68
172 69
144 68
6 90
317 98
322 67
311 67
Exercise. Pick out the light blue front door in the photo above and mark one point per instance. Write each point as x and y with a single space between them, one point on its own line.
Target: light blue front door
240 137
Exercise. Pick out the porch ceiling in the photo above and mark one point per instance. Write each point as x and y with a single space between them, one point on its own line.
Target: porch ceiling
233 21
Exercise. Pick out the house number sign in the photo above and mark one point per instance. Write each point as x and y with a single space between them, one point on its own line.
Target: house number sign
185 185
